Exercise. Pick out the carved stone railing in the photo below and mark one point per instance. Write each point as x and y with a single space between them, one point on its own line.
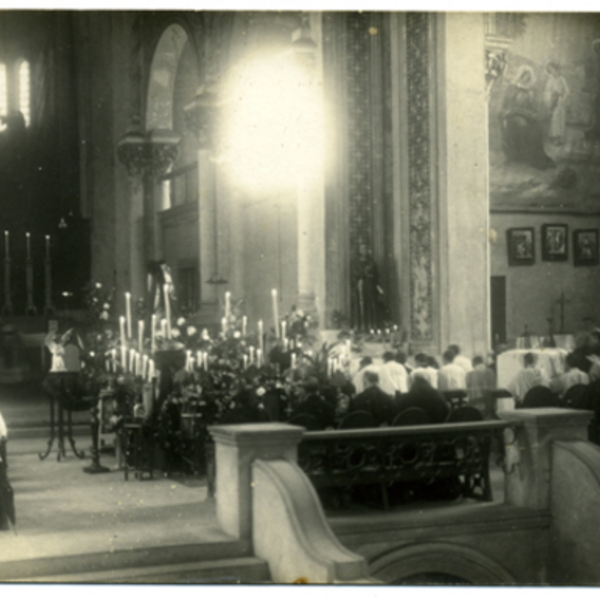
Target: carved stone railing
385 456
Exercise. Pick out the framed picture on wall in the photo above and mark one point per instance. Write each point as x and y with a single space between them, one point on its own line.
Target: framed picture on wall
521 246
555 242
585 247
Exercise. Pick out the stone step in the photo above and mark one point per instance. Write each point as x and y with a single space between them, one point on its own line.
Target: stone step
137 561
229 570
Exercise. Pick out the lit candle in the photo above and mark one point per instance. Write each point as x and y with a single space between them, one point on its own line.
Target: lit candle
150 369
124 359
167 310
199 358
293 361
141 335
244 325
163 328
275 312
260 335
205 334
283 327
28 240
188 356
128 313
259 357
144 365
132 361
6 253
122 329
153 334
245 362
47 246
205 361
251 352
224 326
227 305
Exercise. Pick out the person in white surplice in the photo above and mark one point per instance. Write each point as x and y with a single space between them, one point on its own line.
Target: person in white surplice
528 377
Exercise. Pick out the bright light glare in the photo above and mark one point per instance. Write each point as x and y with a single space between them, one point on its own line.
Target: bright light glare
273 136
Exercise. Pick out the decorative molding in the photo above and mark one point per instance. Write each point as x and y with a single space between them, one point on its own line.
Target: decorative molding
421 201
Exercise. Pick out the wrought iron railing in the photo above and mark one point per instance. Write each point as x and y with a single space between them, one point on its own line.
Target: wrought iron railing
386 456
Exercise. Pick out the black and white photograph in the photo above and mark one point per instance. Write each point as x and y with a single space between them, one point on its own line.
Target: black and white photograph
299 296
555 240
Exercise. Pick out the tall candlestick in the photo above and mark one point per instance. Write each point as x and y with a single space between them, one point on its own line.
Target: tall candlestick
188 356
163 328
167 309
28 241
128 313
245 362
283 328
6 252
124 358
199 358
153 334
275 312
244 325
260 334
205 361
259 357
141 335
293 361
47 246
224 326
122 329
227 305
150 369
132 361
144 366
251 353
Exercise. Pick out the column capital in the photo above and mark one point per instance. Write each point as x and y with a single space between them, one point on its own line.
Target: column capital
151 153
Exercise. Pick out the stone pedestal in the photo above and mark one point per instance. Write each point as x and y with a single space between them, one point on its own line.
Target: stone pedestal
530 451
236 447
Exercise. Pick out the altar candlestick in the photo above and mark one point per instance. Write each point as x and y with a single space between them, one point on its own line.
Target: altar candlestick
6 253
188 356
244 325
224 326
150 369
199 358
260 335
163 328
251 352
47 246
259 357
205 334
275 312
122 329
293 361
227 305
167 310
141 335
205 361
28 240
283 327
245 357
128 313
124 359
132 361
153 334
285 343
144 365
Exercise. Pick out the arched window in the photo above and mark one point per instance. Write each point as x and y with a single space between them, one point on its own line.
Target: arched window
24 91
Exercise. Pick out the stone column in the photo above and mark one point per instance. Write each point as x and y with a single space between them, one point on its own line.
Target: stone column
308 49
200 116
529 454
131 152
236 447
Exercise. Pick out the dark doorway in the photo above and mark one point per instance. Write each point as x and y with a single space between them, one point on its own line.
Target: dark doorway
498 305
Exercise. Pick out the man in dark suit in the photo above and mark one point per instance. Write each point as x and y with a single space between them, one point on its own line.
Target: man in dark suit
374 400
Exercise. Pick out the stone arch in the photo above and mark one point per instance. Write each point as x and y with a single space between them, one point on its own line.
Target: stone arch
449 559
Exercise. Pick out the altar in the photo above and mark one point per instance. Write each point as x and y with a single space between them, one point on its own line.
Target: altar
509 363
562 340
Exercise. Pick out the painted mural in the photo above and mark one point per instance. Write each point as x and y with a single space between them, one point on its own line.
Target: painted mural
544 112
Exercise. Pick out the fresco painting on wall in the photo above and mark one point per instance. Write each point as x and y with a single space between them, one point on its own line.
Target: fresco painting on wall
555 242
521 246
585 247
544 112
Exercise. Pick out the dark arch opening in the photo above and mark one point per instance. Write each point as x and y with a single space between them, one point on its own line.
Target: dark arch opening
431 579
